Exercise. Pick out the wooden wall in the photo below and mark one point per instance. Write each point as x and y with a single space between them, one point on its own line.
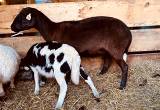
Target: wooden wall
138 14
9 2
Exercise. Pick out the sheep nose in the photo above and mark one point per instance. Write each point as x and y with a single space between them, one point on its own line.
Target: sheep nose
13 28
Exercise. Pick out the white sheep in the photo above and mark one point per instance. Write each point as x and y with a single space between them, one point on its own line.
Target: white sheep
9 65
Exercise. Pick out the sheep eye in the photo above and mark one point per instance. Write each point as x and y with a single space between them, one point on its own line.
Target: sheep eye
28 17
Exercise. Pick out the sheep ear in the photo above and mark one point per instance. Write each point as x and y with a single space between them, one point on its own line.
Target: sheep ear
28 17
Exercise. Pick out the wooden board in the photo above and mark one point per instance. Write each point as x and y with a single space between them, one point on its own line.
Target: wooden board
143 40
21 44
133 13
134 59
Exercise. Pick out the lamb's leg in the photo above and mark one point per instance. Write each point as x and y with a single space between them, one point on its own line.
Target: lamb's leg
106 64
89 82
36 79
42 80
60 78
68 77
2 93
12 83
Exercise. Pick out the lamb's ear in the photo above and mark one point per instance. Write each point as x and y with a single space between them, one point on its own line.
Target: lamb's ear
28 17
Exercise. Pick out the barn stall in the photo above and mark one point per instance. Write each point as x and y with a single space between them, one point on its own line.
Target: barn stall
143 87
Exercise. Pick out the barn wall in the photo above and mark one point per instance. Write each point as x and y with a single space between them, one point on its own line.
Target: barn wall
141 16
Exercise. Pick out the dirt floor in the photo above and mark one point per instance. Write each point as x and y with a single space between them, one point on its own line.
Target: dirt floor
142 92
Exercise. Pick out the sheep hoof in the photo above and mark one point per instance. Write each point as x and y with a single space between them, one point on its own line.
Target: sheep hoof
12 86
58 109
103 70
98 99
121 88
2 94
122 85
42 83
36 92
100 73
97 95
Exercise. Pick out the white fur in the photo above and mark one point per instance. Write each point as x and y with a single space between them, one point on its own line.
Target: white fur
28 17
9 63
90 83
60 78
125 57
70 55
74 62
35 49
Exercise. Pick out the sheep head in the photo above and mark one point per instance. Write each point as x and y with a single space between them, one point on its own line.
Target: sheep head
24 20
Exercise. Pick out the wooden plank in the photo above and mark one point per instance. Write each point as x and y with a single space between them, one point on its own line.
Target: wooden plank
21 44
134 59
133 13
8 31
141 57
143 40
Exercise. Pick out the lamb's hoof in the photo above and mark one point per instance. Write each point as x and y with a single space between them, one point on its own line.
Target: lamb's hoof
101 72
42 83
2 94
12 86
97 95
121 88
36 92
58 109
98 99
83 108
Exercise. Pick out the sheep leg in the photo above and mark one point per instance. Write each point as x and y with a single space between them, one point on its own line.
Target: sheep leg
107 60
124 68
89 82
68 77
36 79
42 80
2 93
12 83
60 78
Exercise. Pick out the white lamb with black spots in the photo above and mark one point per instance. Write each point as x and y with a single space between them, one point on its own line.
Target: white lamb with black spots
59 61
9 65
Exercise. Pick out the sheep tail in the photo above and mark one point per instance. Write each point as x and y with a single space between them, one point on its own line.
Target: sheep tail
75 70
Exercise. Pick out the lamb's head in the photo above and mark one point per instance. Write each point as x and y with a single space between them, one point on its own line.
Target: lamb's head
24 20
25 73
